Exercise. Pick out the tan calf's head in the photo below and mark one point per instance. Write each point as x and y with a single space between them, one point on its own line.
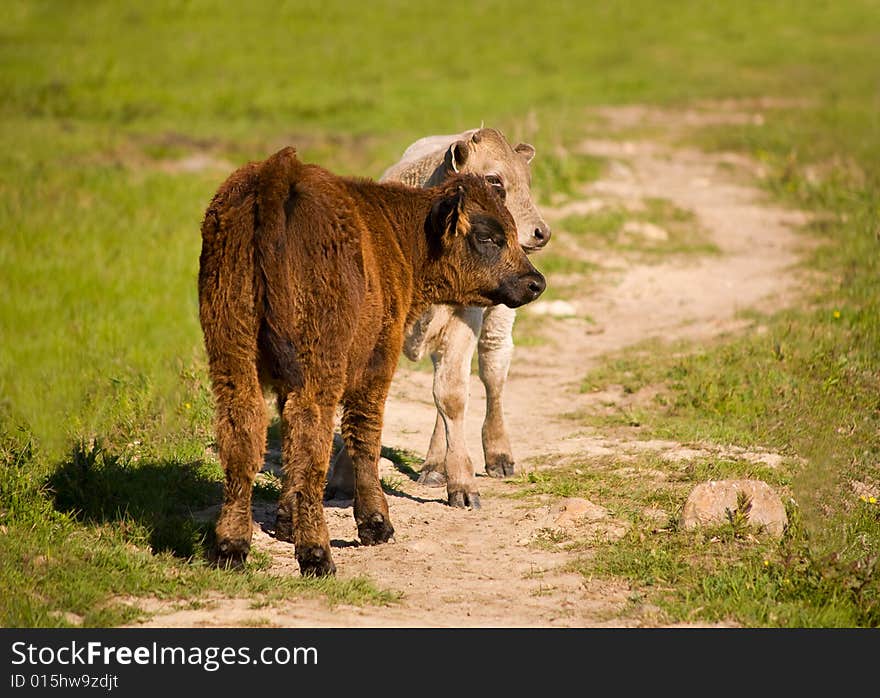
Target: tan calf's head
475 253
487 153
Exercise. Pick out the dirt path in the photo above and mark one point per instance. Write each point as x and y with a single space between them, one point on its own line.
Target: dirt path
463 568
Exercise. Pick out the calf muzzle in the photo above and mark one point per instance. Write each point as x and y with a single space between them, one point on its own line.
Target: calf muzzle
515 291
539 237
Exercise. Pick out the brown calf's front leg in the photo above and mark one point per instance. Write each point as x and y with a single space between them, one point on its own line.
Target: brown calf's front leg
308 434
362 431
495 351
241 443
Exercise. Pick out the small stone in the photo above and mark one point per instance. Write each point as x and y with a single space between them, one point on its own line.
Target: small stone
654 514
708 503
647 231
576 509
556 308
68 617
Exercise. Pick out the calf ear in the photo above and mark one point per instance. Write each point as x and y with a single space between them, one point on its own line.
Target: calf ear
449 215
456 156
527 150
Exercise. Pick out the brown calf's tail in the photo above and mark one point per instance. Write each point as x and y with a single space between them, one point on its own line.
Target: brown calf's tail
226 273
275 197
241 227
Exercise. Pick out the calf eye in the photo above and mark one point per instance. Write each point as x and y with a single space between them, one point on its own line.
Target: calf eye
497 184
487 234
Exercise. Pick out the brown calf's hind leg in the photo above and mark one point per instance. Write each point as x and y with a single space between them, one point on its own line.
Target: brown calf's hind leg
308 430
241 443
495 351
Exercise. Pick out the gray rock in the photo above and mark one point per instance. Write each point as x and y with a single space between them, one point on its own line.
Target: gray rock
708 503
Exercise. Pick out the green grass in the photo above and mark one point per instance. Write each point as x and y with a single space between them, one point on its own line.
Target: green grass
679 232
99 241
553 263
560 175
406 462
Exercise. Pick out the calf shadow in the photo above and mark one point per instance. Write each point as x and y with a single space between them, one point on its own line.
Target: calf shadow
402 459
166 501
152 498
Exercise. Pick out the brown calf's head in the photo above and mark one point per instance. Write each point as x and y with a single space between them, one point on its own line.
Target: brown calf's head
487 153
475 249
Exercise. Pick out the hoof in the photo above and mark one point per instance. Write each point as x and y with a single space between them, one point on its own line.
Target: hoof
315 561
500 466
464 500
432 478
231 553
284 526
375 530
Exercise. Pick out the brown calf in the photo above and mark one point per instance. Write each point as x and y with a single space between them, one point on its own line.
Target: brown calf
306 283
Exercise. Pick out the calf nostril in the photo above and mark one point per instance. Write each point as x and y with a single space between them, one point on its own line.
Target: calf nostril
542 234
536 286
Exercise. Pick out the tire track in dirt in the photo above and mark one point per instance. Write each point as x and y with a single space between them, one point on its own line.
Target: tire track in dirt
468 569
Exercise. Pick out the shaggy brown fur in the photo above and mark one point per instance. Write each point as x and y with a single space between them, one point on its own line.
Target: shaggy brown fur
306 282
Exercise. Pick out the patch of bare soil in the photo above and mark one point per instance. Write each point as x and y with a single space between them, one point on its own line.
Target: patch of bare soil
502 566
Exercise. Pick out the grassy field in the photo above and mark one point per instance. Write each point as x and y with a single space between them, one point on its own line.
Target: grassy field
105 417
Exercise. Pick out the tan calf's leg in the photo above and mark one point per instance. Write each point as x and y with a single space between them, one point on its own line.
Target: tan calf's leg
241 443
340 477
452 368
433 472
495 351
432 333
308 434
